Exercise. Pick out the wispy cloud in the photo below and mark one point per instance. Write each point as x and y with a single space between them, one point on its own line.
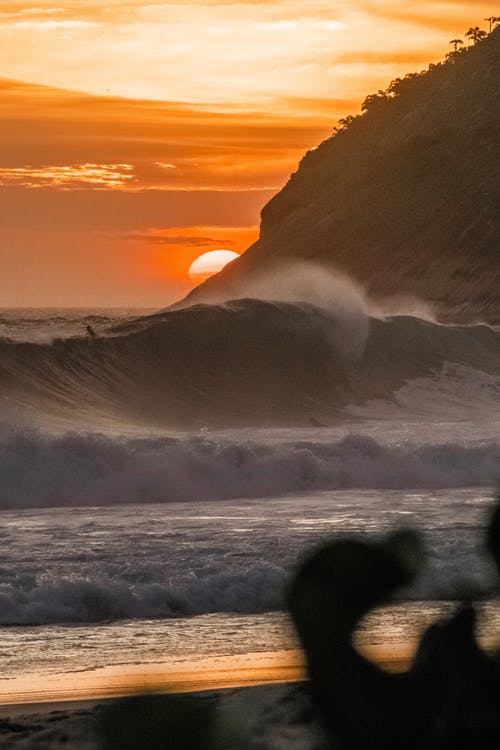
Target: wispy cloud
229 52
171 250
183 241
52 25
195 237
66 177
168 147
13 13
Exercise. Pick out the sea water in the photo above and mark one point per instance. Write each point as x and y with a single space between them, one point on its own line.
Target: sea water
127 544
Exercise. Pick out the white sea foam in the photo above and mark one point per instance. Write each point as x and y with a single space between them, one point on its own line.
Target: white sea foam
257 588
38 470
456 392
182 559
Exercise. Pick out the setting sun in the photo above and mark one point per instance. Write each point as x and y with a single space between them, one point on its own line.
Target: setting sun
249 354
209 263
201 115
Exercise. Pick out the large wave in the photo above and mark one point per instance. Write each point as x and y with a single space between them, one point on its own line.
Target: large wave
245 362
74 470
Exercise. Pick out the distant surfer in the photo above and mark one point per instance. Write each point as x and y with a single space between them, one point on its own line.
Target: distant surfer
90 332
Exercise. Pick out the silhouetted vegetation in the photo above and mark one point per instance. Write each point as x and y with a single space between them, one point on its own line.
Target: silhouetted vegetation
476 34
455 43
401 86
492 20
156 722
404 193
449 698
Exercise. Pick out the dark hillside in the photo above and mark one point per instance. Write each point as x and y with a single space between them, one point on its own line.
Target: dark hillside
405 198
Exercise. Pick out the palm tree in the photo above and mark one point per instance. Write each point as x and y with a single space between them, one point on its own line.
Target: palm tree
456 42
491 20
476 34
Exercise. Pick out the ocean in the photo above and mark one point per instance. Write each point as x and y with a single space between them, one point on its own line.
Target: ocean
162 475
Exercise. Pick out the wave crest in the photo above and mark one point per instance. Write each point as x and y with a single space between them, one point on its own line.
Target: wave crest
243 362
40 471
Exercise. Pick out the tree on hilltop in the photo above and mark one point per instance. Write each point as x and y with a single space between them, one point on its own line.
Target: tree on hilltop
475 34
373 100
492 20
456 42
343 124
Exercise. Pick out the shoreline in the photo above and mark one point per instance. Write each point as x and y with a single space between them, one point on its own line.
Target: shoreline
264 691
216 673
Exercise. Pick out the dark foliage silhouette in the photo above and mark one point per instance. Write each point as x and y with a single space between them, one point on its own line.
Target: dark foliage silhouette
475 34
455 43
450 696
402 198
156 722
448 699
492 20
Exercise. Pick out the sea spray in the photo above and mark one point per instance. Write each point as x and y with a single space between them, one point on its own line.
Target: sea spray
39 470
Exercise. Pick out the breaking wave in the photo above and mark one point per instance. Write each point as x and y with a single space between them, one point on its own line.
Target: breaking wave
256 589
245 362
93 470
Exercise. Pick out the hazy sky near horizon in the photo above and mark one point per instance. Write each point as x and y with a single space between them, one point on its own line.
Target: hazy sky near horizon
137 135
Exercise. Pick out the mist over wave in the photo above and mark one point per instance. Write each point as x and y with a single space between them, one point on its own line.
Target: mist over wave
74 470
242 362
338 296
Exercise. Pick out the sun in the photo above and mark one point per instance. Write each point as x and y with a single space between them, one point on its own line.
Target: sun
209 263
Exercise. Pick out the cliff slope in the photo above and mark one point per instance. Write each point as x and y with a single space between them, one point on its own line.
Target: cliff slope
404 198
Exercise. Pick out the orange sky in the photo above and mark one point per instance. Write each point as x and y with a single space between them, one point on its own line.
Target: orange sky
136 136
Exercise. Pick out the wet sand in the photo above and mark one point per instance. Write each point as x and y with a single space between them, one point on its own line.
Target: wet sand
177 677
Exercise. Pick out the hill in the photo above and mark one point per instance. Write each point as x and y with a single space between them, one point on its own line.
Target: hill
404 198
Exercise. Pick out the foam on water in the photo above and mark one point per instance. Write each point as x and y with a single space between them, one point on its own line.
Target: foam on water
168 523
167 561
40 470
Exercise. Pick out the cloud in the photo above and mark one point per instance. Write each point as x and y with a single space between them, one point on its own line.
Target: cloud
22 12
229 94
209 237
443 15
170 146
103 176
184 241
53 25
379 57
224 52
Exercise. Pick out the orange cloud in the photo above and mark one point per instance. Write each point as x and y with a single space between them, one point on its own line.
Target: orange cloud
99 176
442 15
205 108
168 145
171 251
246 54
69 268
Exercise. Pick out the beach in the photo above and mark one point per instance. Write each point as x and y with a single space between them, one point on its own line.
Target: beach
65 711
266 692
